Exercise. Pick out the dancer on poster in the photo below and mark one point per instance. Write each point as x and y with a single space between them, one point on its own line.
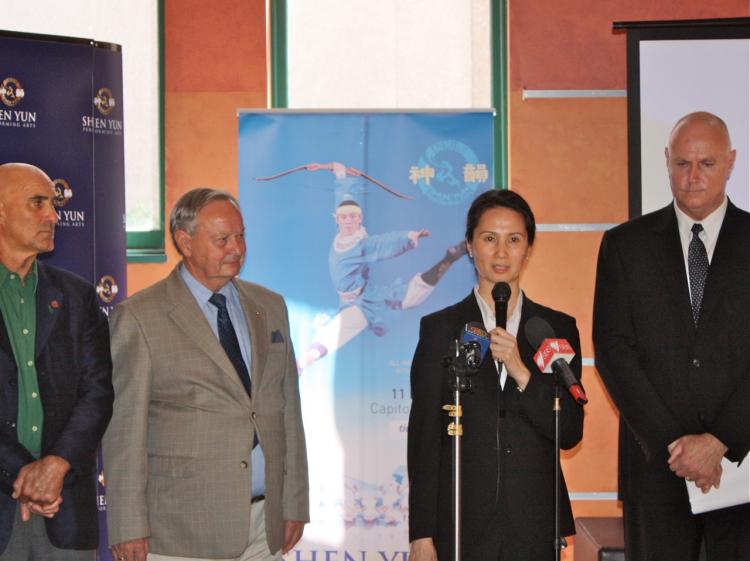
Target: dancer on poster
363 304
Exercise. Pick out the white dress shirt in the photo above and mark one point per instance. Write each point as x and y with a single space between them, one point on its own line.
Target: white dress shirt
711 227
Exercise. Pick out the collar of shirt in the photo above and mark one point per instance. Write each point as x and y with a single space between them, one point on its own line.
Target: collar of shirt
711 227
200 292
211 313
490 322
6 274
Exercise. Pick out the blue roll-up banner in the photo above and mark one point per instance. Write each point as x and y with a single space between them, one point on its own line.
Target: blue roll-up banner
61 110
358 219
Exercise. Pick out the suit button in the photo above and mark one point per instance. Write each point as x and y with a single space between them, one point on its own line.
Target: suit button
508 449
12 383
243 464
253 415
696 363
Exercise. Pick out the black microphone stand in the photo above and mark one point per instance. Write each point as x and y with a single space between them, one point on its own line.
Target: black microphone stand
560 542
461 365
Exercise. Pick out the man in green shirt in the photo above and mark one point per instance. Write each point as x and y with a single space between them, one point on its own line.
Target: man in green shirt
55 384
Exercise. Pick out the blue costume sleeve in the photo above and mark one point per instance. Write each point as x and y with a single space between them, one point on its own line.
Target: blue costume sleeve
385 246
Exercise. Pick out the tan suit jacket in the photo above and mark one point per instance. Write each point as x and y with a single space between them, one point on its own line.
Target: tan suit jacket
177 451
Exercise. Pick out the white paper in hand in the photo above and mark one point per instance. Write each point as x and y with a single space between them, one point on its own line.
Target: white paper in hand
733 490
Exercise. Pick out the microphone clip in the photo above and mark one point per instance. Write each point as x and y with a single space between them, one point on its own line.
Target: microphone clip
463 363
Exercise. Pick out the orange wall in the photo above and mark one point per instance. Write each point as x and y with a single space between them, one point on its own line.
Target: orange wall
568 157
215 62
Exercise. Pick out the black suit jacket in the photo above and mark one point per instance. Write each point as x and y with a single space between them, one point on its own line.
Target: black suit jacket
508 442
75 383
667 377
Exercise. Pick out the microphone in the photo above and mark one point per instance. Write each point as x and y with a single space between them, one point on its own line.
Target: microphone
475 342
501 295
554 355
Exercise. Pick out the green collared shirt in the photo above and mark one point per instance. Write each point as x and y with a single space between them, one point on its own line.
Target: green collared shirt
18 307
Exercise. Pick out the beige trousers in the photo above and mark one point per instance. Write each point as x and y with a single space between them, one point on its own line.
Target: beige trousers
257 548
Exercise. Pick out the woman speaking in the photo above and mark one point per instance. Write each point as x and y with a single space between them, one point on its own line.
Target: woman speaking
508 459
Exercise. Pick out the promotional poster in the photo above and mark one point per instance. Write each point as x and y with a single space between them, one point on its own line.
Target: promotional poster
358 220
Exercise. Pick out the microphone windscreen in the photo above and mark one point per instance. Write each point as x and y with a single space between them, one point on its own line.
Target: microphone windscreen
537 330
475 331
501 292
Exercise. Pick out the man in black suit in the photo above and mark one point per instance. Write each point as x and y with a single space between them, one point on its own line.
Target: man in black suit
55 384
672 340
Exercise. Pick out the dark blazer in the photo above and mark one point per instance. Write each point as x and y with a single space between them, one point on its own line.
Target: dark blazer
74 371
667 377
508 442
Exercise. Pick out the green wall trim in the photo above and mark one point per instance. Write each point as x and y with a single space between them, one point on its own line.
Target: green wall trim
279 97
144 240
499 53
146 247
146 256
153 241
499 38
162 147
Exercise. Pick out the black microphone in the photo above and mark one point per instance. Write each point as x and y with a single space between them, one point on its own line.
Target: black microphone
474 342
554 355
501 295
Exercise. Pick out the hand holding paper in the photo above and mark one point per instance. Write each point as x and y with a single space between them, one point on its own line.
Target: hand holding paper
697 457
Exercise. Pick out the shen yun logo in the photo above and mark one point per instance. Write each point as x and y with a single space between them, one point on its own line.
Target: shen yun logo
11 94
107 289
105 104
104 101
63 193
449 172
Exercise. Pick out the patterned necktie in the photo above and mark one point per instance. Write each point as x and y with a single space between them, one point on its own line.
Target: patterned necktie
228 339
697 270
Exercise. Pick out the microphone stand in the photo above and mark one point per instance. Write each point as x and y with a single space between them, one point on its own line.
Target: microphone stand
460 371
560 542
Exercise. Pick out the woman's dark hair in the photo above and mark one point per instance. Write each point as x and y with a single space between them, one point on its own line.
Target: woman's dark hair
500 198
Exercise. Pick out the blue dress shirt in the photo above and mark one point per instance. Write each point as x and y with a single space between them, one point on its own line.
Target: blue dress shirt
234 307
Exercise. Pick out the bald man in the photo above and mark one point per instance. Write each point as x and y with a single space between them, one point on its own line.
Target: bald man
55 384
672 340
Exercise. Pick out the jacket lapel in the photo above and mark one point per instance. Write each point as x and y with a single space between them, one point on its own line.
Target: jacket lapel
528 311
187 315
468 311
5 347
728 268
49 305
255 316
670 259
